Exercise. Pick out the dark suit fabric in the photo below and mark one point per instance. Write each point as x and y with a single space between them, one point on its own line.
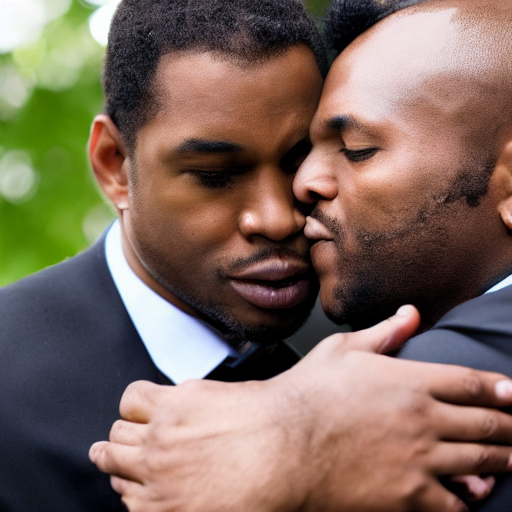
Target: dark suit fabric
478 334
68 349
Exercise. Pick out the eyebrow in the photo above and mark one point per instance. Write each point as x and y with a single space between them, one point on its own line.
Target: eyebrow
341 123
207 146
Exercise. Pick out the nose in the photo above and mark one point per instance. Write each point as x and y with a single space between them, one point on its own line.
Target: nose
313 181
271 211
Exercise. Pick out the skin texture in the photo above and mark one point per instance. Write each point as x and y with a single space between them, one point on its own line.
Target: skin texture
410 159
205 200
281 444
295 442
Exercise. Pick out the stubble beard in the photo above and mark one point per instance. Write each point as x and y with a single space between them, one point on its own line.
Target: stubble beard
403 265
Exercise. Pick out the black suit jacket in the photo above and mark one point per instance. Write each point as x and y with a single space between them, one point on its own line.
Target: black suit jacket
68 349
478 334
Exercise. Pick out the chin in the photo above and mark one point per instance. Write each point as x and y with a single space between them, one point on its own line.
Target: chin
271 326
330 306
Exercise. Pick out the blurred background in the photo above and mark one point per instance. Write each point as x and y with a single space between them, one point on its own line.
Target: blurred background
50 60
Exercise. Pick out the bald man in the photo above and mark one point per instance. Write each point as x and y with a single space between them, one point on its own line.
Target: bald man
410 177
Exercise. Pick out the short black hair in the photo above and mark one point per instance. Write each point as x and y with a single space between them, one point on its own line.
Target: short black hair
348 19
144 30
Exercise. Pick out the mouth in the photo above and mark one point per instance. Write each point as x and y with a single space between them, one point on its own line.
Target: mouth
316 231
275 284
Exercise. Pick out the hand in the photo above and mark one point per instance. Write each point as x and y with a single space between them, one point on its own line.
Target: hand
342 430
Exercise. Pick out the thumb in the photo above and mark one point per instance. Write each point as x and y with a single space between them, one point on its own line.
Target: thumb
385 337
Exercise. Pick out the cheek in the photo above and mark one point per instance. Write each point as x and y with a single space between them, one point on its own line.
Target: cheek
186 216
199 235
378 200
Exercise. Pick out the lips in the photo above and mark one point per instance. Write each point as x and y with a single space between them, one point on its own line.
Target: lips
323 249
274 284
315 230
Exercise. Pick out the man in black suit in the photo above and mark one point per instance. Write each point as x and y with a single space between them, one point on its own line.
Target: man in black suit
208 106
410 176
417 205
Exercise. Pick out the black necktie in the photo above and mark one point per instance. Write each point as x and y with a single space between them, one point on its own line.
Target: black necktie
259 363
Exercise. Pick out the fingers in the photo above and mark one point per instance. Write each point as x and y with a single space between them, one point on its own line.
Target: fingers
470 459
116 459
138 400
384 337
391 334
134 495
437 498
458 423
127 433
471 487
459 385
125 487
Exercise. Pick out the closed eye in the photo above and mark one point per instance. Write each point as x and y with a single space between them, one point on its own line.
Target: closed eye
359 155
216 179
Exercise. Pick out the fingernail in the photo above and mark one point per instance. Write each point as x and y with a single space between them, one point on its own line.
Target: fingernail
403 310
503 389
93 450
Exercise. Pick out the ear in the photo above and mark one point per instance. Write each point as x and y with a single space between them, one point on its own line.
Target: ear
503 175
505 210
109 160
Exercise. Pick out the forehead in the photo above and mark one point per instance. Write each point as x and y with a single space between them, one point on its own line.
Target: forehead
395 56
408 69
205 94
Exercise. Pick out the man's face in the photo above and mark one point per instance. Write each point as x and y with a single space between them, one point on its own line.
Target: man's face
399 174
211 217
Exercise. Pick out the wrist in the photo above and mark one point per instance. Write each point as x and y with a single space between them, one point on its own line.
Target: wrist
290 468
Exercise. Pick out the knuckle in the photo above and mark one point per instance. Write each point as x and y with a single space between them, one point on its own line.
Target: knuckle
418 405
488 425
156 465
116 430
104 460
414 489
481 458
473 384
157 439
136 388
417 412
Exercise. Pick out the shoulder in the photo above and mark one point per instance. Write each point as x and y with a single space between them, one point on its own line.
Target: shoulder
59 307
477 333
58 278
65 333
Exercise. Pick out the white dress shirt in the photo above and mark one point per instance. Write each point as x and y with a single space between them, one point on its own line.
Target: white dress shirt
182 347
506 282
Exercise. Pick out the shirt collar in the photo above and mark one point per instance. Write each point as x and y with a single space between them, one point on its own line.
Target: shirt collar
181 347
506 282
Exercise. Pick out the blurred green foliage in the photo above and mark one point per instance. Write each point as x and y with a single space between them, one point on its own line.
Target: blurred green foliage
50 207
